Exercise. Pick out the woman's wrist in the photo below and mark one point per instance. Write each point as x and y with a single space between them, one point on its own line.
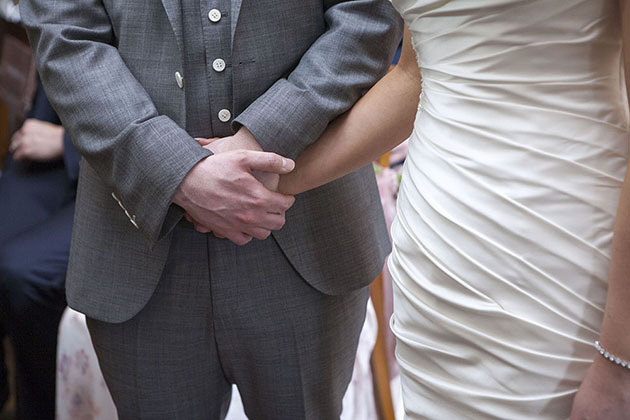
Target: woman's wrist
611 357
610 375
286 185
292 183
615 337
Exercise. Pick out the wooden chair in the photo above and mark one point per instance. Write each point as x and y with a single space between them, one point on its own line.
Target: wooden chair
379 362
380 365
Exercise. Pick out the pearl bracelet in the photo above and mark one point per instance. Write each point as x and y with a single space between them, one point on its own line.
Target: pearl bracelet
611 357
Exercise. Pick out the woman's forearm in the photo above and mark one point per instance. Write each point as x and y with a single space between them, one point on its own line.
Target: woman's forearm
615 332
380 120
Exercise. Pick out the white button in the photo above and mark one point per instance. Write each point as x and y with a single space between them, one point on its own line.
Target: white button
179 79
225 115
214 15
218 65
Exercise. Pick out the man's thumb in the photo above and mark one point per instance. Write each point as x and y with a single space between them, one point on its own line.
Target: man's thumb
269 162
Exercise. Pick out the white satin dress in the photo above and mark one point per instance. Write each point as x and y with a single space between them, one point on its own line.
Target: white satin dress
505 216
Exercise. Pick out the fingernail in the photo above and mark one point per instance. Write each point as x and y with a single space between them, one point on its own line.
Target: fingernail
287 164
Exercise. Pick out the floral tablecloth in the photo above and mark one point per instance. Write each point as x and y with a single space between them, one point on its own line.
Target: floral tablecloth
81 390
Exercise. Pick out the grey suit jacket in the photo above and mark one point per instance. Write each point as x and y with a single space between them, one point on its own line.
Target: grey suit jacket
109 67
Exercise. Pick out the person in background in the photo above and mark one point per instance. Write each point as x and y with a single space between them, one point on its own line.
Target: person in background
37 192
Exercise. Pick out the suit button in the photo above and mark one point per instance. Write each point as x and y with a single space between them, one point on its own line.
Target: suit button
179 79
218 65
225 115
214 15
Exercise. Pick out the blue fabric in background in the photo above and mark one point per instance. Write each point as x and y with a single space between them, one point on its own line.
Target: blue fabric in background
397 56
36 213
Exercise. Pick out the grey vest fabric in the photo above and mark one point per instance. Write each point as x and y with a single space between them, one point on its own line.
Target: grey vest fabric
110 67
204 43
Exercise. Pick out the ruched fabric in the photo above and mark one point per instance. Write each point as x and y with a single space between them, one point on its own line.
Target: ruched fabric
505 215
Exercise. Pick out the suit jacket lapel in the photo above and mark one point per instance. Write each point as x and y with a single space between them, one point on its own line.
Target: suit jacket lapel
236 9
174 12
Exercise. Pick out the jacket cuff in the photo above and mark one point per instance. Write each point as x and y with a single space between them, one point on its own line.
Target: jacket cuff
145 187
162 214
278 125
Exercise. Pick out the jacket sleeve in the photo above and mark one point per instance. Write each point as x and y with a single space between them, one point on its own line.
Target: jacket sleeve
140 155
342 64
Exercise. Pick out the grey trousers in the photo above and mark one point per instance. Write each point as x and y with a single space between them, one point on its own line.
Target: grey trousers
223 314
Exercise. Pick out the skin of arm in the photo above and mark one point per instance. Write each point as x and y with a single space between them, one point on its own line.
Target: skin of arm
380 120
605 391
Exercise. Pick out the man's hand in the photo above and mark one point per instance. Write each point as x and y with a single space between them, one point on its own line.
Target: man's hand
37 141
221 194
242 140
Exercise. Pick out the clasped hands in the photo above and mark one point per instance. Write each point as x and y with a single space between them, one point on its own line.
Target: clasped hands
233 193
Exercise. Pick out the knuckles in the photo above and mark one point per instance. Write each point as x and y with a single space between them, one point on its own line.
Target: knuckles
244 240
259 202
241 156
274 160
258 199
247 218
279 224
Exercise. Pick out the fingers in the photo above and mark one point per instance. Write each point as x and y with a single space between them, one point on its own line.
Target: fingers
267 162
274 221
278 203
20 152
209 144
19 155
201 229
259 233
16 141
270 181
244 232
204 142
239 238
263 201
